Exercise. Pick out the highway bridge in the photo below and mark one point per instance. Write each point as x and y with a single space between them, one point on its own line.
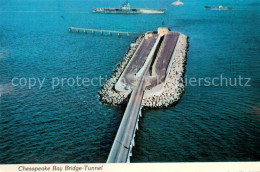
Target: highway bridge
151 58
124 141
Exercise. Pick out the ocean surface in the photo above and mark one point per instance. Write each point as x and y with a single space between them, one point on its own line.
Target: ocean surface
68 124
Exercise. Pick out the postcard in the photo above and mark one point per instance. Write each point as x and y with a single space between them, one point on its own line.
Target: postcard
129 85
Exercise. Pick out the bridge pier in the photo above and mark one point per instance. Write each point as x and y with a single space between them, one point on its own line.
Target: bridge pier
140 112
85 30
133 142
130 152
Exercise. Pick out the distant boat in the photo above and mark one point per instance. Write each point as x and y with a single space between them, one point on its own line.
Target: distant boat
126 9
178 2
218 8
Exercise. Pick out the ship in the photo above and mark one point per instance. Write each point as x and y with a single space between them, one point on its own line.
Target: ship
177 3
126 9
218 8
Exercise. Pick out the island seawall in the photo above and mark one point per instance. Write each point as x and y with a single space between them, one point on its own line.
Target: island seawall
163 88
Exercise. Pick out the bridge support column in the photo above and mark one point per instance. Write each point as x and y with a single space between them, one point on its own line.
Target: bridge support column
133 142
130 152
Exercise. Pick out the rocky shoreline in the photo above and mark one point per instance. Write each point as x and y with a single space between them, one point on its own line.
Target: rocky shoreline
172 88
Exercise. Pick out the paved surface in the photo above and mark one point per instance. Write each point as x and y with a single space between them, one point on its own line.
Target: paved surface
137 61
120 150
160 65
163 59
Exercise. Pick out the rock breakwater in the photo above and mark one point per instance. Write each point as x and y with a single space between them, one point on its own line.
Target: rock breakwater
165 94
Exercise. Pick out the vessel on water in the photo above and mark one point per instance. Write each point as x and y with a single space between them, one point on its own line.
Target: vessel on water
177 3
218 8
126 9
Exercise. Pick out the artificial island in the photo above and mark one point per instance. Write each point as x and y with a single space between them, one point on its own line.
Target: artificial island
150 75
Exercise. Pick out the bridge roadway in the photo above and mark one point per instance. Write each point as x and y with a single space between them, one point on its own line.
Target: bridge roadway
163 59
136 63
161 62
122 147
